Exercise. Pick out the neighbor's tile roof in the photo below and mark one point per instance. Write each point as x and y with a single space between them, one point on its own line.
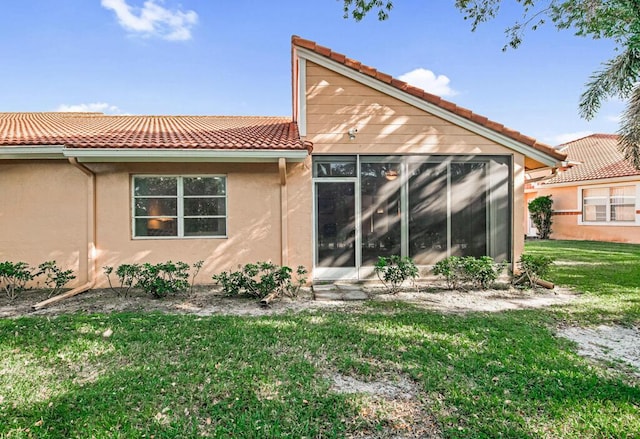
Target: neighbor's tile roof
425 96
597 157
97 130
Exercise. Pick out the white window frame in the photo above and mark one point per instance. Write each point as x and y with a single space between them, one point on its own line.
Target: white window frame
180 197
608 221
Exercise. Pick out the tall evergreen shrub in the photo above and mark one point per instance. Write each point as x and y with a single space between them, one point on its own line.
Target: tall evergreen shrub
541 210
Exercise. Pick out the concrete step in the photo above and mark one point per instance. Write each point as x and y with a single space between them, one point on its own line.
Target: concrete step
330 292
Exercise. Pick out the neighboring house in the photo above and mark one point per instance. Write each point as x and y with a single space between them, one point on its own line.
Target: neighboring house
598 197
367 166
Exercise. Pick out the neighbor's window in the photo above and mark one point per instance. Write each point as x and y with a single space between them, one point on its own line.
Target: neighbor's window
183 206
606 204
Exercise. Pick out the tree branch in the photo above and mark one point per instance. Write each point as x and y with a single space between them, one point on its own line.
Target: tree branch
616 79
359 8
629 143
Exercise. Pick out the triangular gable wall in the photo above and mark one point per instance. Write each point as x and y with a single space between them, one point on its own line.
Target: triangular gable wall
360 98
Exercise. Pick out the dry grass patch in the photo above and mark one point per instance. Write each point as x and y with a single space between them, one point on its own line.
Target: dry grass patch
387 409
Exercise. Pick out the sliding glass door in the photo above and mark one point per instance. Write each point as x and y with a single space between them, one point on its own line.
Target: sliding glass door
380 211
336 212
468 209
428 225
335 218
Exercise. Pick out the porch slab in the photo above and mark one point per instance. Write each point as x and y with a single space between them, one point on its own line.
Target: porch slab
330 292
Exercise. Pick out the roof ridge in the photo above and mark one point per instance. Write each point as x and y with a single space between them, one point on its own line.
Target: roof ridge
426 96
592 135
125 131
51 112
220 116
605 135
99 114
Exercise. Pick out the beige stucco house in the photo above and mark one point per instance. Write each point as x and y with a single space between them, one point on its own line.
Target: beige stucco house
596 198
367 166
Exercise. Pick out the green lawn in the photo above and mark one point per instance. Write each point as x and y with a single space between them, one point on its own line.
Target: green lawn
608 274
481 375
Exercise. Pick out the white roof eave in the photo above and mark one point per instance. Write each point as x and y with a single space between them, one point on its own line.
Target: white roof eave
96 155
34 152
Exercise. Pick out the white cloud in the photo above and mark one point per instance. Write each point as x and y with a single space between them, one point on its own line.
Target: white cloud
428 81
95 107
568 137
153 19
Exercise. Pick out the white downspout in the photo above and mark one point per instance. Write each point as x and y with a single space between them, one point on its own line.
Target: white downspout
91 239
284 215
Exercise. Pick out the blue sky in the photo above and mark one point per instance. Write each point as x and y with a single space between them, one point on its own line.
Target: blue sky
215 57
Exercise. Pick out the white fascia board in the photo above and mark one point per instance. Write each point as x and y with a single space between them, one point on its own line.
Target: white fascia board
428 107
302 97
32 152
89 155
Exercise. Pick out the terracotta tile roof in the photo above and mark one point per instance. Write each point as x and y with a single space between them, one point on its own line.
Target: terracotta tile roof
597 157
96 130
425 96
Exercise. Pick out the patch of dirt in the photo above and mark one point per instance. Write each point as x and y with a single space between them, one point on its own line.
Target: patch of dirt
204 300
448 301
615 344
392 405
207 300
402 388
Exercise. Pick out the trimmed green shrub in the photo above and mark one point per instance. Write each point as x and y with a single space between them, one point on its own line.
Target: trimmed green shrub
451 270
160 280
14 277
262 279
55 277
481 272
127 275
532 268
157 280
469 271
394 271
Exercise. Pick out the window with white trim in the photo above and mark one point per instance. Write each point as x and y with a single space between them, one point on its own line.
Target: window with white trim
179 206
609 204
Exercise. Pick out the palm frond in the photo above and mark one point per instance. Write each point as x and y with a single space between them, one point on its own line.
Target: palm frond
629 142
616 79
